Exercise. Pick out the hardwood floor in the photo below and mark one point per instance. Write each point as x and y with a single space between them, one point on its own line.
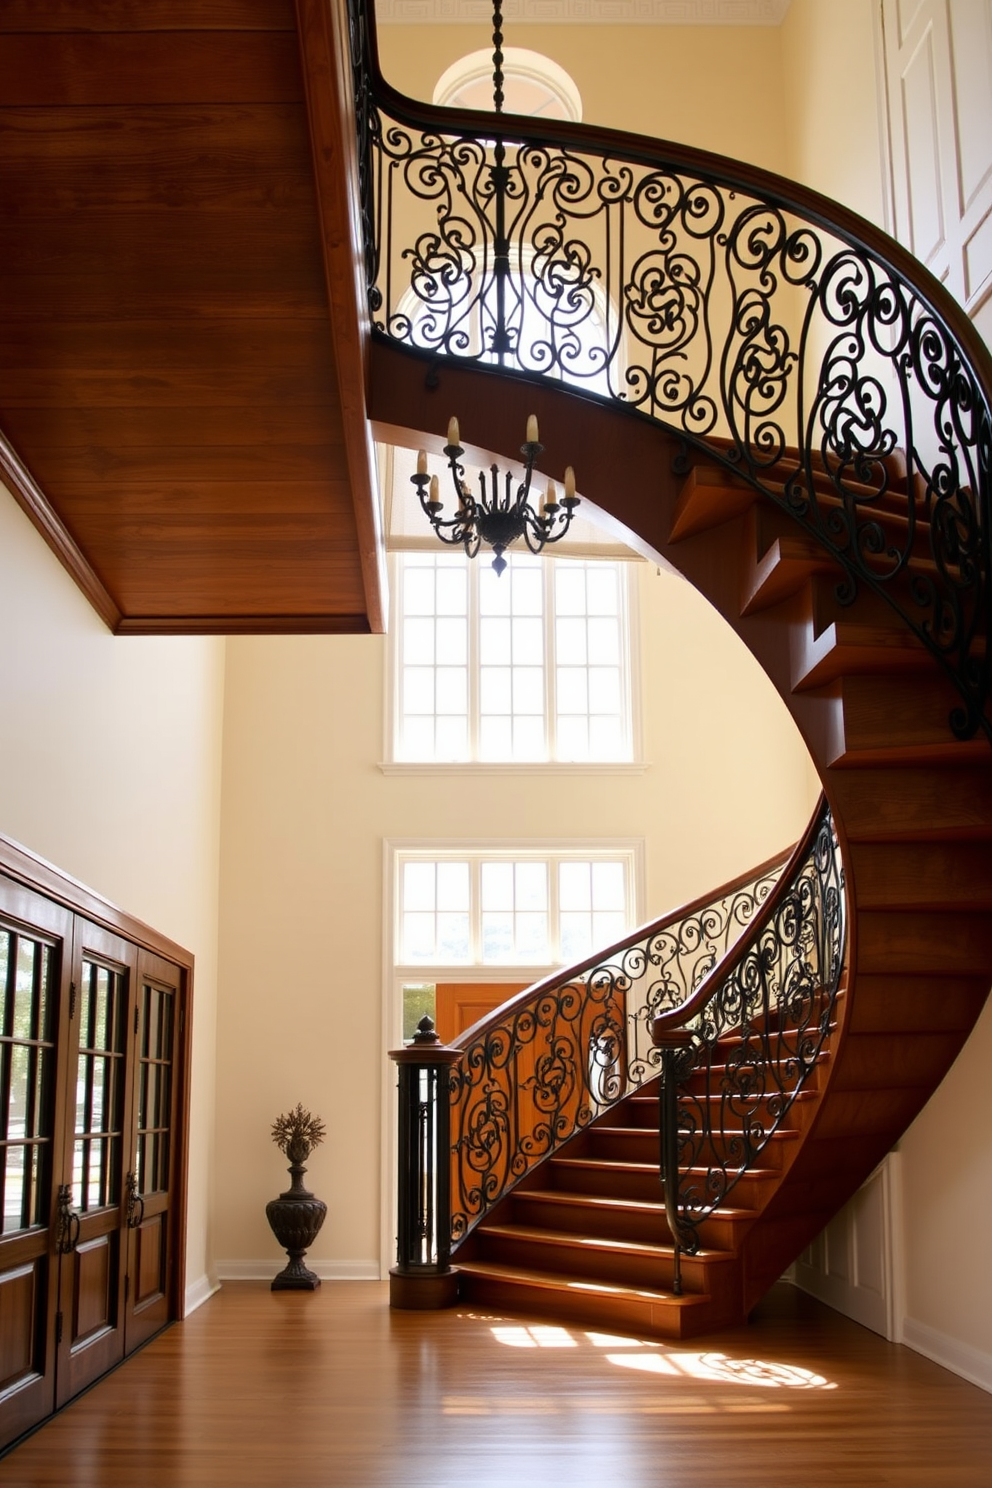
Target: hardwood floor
334 1389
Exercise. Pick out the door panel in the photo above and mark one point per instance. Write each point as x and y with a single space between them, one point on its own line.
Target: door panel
152 1213
460 1004
91 1283
34 995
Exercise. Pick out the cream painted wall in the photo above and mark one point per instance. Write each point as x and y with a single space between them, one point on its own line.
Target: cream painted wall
305 812
110 768
830 100
700 85
947 1214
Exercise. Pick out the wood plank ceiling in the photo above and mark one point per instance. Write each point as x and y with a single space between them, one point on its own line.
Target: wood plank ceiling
171 375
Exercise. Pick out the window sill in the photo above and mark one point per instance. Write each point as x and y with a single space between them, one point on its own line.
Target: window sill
499 767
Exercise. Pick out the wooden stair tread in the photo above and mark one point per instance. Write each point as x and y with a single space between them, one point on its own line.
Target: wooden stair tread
610 1164
604 1201
782 570
542 1236
637 1131
571 1285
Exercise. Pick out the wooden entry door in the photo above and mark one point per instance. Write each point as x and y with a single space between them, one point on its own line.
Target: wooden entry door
94 1064
35 956
152 1179
91 1197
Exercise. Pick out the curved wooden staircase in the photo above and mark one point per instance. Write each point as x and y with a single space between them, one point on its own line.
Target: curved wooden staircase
586 1237
915 811
871 688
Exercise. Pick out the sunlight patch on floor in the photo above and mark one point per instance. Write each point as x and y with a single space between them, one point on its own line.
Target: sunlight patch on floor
648 1356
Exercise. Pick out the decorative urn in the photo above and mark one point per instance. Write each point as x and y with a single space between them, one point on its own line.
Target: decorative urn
296 1215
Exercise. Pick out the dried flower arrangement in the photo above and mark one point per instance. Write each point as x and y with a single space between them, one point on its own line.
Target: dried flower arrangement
297 1133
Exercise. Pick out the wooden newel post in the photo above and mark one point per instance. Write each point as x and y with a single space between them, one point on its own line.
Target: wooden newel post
423 1276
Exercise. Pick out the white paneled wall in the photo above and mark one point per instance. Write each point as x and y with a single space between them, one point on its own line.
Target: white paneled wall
853 1264
938 74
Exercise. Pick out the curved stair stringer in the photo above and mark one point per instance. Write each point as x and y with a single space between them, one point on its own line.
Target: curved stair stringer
912 805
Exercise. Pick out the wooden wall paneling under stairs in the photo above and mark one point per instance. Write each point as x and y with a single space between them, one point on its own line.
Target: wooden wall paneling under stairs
913 811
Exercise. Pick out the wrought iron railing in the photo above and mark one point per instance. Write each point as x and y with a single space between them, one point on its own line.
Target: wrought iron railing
541 1067
739 1050
796 344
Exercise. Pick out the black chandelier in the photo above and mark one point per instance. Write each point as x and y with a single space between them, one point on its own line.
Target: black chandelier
497 518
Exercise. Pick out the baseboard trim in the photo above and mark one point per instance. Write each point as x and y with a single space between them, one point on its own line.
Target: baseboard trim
972 1364
264 1270
198 1292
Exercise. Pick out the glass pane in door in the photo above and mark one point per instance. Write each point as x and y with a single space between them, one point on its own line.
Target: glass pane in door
155 1088
27 1053
99 1089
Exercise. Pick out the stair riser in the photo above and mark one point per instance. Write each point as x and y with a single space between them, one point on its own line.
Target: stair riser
894 720
588 1310
607 1182
647 1227
624 1146
617 1267
922 875
717 1232
924 942
634 1146
929 804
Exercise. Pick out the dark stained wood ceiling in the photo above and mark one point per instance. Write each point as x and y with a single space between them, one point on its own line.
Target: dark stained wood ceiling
181 412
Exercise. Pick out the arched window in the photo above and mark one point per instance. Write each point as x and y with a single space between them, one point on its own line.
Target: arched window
532 84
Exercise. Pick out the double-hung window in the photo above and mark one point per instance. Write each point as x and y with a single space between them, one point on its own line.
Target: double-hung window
532 665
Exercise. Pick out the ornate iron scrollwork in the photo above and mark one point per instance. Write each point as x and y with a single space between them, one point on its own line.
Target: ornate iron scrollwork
542 1068
742 1049
799 351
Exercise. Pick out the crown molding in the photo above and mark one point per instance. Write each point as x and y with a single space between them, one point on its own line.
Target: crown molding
588 12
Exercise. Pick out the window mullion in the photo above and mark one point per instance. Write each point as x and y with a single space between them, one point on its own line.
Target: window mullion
627 659
550 678
554 912
475 908
474 663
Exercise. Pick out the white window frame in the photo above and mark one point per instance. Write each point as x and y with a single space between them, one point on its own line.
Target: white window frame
630 682
629 851
518 62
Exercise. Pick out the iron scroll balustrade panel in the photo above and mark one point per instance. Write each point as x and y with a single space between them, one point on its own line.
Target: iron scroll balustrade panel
539 1069
741 1050
793 342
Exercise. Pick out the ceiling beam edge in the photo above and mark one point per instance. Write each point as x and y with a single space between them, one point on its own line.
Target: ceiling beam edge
37 507
225 625
324 53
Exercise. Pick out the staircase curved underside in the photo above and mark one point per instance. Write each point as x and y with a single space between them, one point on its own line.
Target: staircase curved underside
912 808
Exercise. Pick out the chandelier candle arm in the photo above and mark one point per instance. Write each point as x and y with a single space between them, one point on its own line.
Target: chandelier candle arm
495 519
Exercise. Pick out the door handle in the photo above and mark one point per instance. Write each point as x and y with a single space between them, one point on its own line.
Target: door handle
135 1203
68 1222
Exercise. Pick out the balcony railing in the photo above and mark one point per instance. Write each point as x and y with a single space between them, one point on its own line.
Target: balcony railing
795 344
